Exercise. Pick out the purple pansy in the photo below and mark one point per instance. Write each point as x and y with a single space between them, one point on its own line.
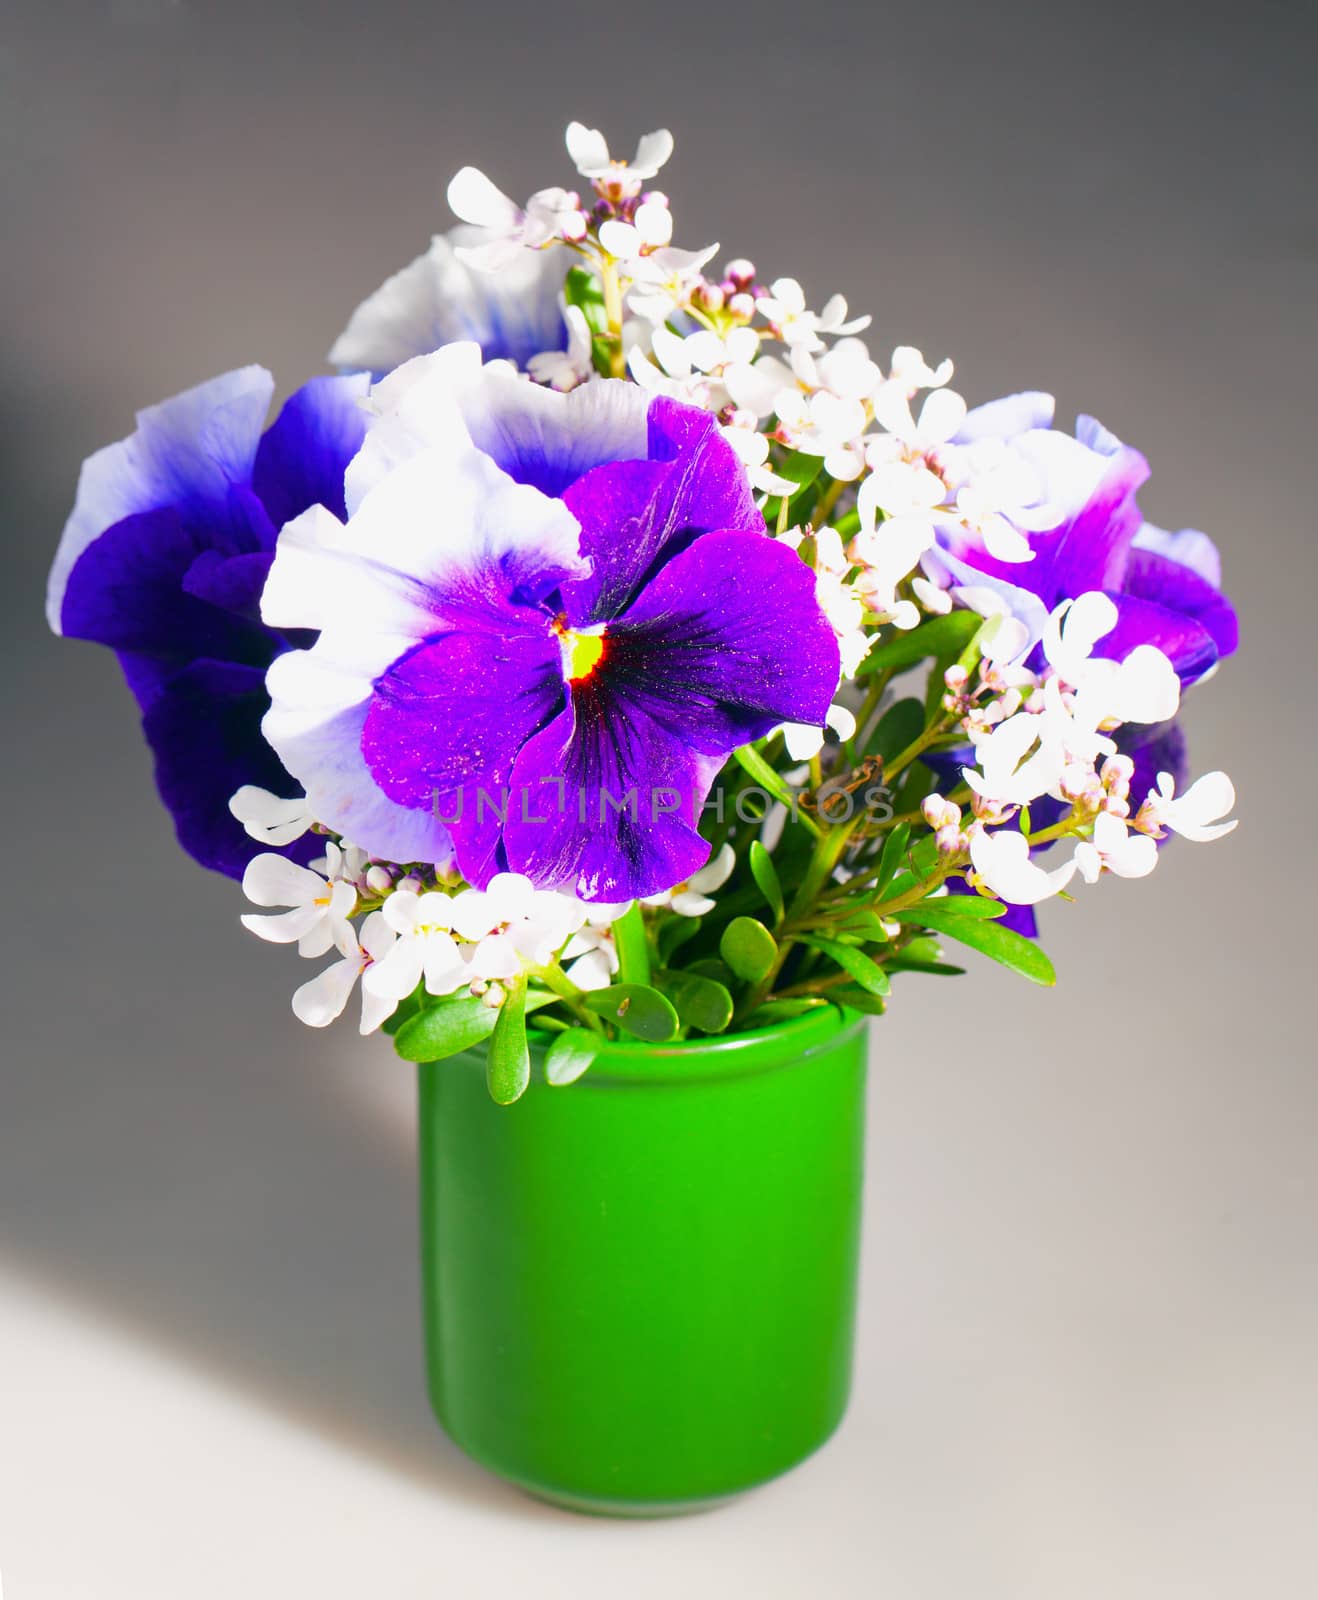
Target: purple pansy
1166 587
548 621
513 313
164 559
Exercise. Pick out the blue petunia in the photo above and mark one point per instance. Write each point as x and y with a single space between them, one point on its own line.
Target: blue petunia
164 559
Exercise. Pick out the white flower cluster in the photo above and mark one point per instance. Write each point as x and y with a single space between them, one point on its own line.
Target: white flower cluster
1051 735
411 929
780 376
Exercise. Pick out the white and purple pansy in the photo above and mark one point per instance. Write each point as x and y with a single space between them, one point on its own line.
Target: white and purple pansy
547 622
1085 532
164 559
513 313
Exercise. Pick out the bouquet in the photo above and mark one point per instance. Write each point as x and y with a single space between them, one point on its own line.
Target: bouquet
614 647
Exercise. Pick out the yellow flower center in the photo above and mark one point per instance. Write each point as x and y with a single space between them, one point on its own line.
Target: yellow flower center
582 651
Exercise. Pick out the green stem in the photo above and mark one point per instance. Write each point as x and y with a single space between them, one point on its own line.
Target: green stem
633 947
917 747
553 977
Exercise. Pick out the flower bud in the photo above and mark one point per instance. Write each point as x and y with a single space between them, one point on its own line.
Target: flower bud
379 880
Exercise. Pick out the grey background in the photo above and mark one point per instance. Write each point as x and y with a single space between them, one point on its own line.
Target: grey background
1089 1358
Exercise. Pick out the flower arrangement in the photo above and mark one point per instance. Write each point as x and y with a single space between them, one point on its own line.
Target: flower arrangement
615 645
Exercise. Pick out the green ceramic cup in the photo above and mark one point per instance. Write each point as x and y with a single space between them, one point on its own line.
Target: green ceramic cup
640 1289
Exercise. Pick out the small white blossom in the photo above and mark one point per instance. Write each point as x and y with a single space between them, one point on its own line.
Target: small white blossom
268 818
662 281
1115 849
512 925
1001 859
509 228
322 1000
320 908
1016 762
692 898
804 739
1196 814
784 306
590 154
425 947
565 369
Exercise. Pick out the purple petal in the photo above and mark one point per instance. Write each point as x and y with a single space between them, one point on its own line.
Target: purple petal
1151 576
187 451
126 591
304 454
1189 548
446 722
1092 550
613 797
725 643
636 515
1186 643
1154 748
204 729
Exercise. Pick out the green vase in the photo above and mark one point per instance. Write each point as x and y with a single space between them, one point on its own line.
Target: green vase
640 1288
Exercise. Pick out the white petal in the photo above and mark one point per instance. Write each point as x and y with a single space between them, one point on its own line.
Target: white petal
588 149
652 152
319 1002
272 880
474 198
285 928
398 973
714 874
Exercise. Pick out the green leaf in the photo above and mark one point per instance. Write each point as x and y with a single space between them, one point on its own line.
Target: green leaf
783 1010
636 1009
447 1027
508 1062
939 636
405 1011
749 759
700 1002
766 879
971 905
900 725
570 1055
937 969
673 933
866 926
859 1000
711 967
892 857
855 963
584 290
748 948
1003 945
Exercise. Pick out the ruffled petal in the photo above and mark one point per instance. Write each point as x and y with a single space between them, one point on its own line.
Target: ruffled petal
1154 576
1186 642
724 644
304 454
636 515
512 314
187 451
446 722
204 729
613 806
128 590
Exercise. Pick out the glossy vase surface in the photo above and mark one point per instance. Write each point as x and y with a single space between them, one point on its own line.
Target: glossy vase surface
640 1288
